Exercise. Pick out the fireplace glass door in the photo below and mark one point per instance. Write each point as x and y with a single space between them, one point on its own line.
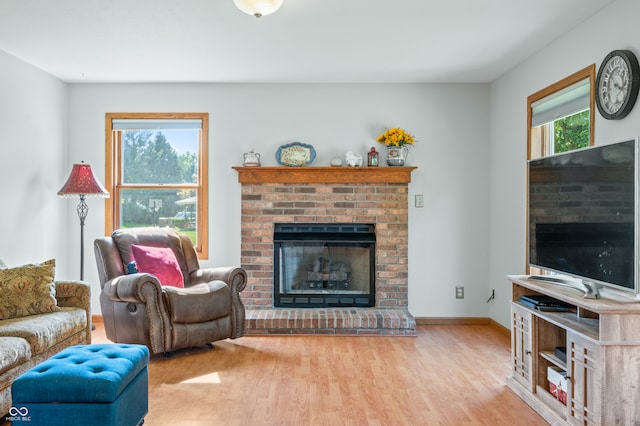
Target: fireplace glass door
317 267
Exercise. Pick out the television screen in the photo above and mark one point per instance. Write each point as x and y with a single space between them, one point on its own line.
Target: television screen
582 213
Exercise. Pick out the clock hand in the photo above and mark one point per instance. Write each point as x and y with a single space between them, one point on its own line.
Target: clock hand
617 81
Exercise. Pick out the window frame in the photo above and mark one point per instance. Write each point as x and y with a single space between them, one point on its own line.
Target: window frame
585 73
113 173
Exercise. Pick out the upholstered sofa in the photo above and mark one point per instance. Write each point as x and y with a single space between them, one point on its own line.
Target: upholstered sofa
38 318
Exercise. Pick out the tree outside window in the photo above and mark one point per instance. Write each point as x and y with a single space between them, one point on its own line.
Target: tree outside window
571 132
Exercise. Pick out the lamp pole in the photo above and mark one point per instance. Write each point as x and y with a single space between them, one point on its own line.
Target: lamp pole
83 210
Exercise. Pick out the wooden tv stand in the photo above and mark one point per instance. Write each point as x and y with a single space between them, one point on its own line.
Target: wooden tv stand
602 340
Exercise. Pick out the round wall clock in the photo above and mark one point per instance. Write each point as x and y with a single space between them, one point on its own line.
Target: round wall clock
617 84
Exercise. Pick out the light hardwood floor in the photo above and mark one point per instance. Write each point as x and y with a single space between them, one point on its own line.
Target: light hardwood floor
447 375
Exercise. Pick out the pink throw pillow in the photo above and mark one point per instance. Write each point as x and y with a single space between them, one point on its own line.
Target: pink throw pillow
158 261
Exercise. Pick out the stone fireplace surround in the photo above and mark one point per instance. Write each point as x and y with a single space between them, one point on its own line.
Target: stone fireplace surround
376 195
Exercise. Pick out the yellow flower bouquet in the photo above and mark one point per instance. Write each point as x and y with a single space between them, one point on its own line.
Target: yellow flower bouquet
396 136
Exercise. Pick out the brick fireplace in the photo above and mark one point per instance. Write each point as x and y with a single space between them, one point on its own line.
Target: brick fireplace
377 195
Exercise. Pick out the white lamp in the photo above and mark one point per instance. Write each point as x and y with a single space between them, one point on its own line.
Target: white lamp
258 8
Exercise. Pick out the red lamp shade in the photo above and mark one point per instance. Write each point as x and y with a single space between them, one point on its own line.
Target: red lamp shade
82 181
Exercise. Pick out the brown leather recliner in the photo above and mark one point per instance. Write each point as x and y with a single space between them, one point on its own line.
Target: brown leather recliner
136 308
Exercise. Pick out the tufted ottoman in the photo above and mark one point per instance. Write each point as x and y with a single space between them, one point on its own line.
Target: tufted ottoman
86 384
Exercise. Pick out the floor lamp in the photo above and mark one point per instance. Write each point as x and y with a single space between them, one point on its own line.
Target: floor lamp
82 183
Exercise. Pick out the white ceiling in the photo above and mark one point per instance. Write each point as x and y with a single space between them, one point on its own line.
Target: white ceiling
305 41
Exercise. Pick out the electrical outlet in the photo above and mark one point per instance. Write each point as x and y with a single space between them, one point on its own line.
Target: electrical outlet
419 200
460 292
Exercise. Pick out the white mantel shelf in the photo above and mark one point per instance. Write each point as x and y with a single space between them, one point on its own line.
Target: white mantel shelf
284 174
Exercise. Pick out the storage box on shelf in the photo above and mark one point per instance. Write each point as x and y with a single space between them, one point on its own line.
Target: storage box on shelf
601 340
557 378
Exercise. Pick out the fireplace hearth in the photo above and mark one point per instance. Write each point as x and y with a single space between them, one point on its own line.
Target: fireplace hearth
323 265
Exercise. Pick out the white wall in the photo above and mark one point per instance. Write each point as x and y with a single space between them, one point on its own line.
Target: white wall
33 166
615 27
448 237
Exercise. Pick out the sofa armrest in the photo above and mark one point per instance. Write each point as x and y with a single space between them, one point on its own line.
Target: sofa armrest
75 294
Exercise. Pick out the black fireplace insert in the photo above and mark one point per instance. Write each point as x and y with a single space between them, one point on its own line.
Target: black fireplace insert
324 265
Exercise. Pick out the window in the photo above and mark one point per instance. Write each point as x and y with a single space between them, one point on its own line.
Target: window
561 116
157 167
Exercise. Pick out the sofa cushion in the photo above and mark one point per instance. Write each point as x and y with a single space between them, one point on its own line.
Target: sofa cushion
198 303
13 351
158 261
45 330
28 290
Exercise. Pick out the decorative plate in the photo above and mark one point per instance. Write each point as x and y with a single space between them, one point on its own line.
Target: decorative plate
295 154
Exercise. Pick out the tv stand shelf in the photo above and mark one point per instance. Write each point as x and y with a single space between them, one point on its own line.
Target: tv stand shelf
602 340
552 358
588 327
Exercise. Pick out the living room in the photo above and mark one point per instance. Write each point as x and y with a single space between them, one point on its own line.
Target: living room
470 152
54 124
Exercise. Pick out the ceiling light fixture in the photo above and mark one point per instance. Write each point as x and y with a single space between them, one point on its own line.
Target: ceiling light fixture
258 8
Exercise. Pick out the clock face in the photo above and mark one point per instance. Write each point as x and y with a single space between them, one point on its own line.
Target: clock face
617 84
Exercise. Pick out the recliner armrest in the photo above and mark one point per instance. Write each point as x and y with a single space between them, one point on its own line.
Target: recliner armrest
235 277
133 288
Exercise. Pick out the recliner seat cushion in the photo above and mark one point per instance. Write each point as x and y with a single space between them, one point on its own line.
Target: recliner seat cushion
198 303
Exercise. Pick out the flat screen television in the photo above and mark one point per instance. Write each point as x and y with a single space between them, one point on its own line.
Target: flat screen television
583 215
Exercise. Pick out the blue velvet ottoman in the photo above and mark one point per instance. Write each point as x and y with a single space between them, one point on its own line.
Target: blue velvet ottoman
86 384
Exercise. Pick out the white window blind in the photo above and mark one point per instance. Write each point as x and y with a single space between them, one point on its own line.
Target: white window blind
568 101
156 124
